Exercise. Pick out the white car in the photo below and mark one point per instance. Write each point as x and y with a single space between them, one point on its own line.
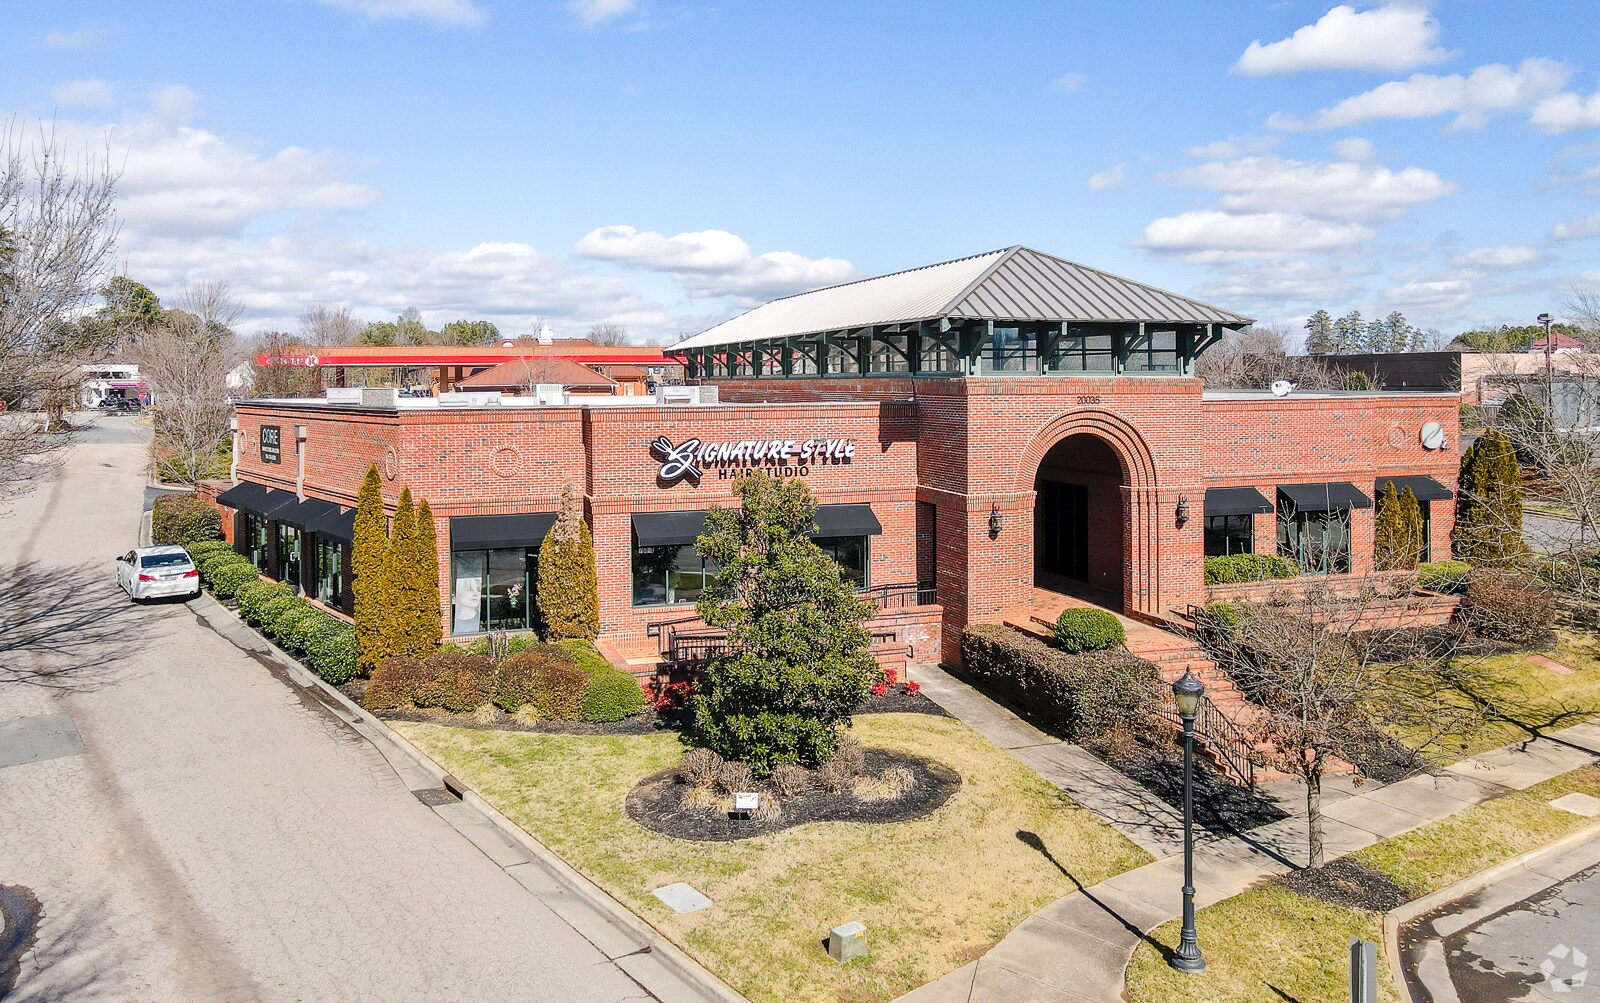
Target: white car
149 572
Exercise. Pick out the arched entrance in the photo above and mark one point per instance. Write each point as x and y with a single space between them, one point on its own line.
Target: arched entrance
1080 519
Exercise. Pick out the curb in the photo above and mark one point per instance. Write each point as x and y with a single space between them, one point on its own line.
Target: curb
652 941
1395 919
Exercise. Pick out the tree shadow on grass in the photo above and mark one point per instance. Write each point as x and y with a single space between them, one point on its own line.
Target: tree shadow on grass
1497 701
66 628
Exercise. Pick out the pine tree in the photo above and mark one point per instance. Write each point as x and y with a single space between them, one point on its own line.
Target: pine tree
398 580
1398 546
1319 334
1349 333
569 600
1415 540
368 556
1489 502
426 627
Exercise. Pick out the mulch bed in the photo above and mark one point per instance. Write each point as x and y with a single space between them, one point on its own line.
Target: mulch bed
1347 883
654 803
640 724
898 702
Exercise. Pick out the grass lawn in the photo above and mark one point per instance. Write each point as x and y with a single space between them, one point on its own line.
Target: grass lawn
1528 699
1272 944
934 893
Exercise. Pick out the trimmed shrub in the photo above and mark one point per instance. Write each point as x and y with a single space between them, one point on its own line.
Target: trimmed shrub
183 519
395 683
1236 568
611 695
1223 615
1080 630
459 683
333 651
1443 576
269 614
227 578
543 679
294 628
253 597
205 548
1508 606
1080 696
585 654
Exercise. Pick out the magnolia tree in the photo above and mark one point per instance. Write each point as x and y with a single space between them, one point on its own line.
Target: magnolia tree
798 659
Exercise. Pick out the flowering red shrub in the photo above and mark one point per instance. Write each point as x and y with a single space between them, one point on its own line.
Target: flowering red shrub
891 676
880 689
669 695
911 689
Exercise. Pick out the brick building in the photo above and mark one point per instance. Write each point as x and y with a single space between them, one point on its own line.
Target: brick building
973 430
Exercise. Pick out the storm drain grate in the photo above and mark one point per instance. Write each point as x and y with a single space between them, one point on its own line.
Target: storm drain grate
433 797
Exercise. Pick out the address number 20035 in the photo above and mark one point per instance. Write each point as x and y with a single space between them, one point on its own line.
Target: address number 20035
1088 398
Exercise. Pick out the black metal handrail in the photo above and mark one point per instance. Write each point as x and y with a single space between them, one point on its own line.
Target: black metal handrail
689 647
1229 742
902 595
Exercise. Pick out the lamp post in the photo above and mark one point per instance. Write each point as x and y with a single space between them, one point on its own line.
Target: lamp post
1187 694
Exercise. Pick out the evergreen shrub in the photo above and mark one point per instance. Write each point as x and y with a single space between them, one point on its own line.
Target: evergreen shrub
543 679
183 519
1236 568
333 651
1443 576
253 596
268 614
1080 630
611 695
227 577
1080 696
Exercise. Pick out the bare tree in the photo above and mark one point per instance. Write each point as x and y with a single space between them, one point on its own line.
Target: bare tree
1257 357
58 231
322 325
278 377
186 362
606 333
1583 308
1327 688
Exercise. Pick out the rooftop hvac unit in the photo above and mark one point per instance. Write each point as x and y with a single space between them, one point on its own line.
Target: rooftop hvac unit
550 393
343 395
474 398
709 394
688 395
379 397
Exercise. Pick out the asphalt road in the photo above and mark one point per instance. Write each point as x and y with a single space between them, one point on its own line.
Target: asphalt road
176 823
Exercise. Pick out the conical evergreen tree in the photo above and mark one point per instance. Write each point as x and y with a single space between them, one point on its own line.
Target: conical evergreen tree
368 555
1414 538
1489 502
423 599
1389 527
569 601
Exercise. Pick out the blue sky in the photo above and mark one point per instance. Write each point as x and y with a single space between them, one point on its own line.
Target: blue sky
664 164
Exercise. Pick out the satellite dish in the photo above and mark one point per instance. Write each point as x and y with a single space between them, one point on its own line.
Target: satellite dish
1282 388
1433 436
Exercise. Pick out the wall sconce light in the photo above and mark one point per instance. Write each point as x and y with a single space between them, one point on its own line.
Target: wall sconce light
996 520
1183 509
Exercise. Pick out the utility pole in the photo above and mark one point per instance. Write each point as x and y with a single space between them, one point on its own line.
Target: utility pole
1549 368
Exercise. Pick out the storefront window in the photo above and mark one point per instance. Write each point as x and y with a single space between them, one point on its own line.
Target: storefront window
1229 534
493 590
1319 542
289 555
328 585
671 574
253 531
850 553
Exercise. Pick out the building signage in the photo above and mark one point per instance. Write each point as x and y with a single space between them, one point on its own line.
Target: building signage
309 361
271 444
786 457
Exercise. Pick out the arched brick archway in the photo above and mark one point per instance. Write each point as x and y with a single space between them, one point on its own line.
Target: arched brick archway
1140 544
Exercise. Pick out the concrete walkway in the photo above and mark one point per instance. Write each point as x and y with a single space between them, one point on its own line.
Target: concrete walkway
1077 948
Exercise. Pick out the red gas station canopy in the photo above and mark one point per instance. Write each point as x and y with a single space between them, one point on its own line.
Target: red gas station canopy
444 355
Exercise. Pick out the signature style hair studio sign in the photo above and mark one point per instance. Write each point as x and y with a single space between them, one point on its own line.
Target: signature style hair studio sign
689 459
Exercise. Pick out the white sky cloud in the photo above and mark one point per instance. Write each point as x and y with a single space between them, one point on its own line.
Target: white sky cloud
1338 189
462 12
1567 112
1472 98
1499 259
1111 177
1435 295
1211 236
1577 227
592 12
1068 82
715 262
88 36
1392 38
1274 284
1355 148
91 93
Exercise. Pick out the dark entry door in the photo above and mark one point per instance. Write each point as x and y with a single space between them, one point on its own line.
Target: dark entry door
1061 530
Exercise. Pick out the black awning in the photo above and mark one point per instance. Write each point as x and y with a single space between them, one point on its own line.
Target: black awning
498 532
668 529
1329 496
1236 501
302 515
244 495
847 520
335 524
1425 488
272 502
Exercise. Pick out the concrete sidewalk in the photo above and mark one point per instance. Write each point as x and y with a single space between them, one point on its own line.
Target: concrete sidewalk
1077 948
